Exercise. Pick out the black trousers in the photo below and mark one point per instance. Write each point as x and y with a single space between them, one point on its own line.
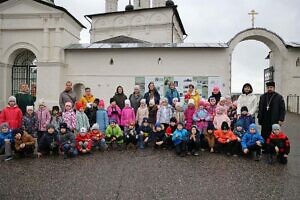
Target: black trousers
225 147
180 148
254 148
130 139
193 145
280 157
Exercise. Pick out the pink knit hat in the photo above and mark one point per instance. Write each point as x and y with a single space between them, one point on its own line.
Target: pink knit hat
101 103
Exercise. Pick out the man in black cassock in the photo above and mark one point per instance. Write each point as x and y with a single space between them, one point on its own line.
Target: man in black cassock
271 110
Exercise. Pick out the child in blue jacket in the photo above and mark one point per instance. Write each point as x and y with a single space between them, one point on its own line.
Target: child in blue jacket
179 138
6 141
245 118
252 142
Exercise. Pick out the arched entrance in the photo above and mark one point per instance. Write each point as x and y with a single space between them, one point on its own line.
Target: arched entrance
24 70
276 45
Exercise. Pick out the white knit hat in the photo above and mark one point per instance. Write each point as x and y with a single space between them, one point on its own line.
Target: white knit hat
12 98
127 102
143 101
42 102
29 108
95 127
82 130
191 101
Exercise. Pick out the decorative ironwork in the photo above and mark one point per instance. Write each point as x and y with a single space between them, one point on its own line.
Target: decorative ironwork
24 70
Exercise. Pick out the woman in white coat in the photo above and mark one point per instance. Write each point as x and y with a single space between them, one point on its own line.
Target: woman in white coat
247 99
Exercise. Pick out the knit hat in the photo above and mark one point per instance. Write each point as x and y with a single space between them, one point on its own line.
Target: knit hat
127 102
239 123
101 103
143 101
164 99
271 83
244 108
55 108
191 101
12 98
50 126
63 125
253 126
225 126
173 119
82 130
42 102
96 101
175 99
157 124
216 89
112 121
210 126
79 105
68 104
202 103
29 108
145 119
95 127
152 102
4 125
276 127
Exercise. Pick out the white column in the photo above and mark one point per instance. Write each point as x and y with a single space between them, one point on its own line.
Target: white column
57 41
45 45
158 3
49 76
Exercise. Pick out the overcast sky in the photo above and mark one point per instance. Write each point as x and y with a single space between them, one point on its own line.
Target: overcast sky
219 21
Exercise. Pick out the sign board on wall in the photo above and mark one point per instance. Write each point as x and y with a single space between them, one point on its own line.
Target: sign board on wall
203 84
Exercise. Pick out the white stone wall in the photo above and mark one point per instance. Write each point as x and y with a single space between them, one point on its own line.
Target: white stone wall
158 3
92 67
139 4
151 25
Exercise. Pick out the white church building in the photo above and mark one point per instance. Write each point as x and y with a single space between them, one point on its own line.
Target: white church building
39 45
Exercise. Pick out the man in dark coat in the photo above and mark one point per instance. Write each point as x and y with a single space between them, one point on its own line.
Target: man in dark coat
24 98
271 110
68 95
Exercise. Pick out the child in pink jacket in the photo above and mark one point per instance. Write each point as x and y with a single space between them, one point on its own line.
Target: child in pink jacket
43 117
188 114
127 115
69 116
114 111
221 116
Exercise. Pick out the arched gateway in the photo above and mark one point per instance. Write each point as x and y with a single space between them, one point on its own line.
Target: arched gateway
275 43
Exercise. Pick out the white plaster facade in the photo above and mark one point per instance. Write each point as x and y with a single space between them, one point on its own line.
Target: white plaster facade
48 31
156 25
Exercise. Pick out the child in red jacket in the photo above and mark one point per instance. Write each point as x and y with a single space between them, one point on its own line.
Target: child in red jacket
83 141
278 144
98 138
12 114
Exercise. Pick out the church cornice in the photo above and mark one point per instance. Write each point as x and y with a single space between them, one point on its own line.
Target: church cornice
174 8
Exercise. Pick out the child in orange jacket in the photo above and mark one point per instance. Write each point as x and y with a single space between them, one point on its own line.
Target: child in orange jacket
225 139
83 141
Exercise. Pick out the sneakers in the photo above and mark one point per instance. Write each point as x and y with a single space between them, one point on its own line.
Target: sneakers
8 158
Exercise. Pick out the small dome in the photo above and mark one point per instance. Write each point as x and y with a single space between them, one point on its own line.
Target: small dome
129 7
170 3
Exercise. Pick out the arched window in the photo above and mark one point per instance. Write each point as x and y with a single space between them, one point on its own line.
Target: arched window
24 70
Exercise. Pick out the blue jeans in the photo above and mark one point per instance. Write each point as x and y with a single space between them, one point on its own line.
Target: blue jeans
70 150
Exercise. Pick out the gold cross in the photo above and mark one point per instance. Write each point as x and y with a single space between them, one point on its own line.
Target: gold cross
252 13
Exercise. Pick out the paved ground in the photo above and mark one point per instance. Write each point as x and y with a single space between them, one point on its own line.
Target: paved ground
152 174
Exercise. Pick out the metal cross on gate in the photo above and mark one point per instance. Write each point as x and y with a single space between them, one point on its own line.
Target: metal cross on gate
253 13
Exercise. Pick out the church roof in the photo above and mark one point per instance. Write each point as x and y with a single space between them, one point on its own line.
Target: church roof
293 44
145 45
56 7
122 39
139 10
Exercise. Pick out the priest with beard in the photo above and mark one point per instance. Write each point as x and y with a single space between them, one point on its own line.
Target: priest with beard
271 110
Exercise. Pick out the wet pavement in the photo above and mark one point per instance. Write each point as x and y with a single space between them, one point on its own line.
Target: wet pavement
160 174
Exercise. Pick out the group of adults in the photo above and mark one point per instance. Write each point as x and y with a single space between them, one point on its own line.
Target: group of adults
270 107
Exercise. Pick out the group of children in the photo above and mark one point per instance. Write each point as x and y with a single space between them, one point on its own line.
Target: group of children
212 125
